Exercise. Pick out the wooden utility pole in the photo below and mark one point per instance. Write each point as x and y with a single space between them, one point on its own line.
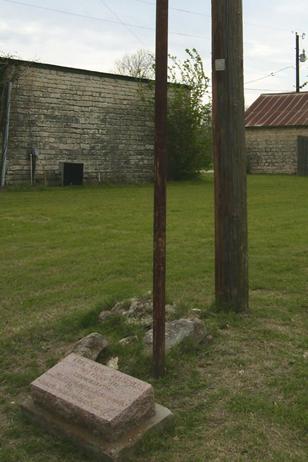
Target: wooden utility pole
160 176
231 265
297 63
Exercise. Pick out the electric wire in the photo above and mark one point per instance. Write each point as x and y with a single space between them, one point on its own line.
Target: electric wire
122 22
72 13
271 74
271 90
181 10
95 18
128 26
197 13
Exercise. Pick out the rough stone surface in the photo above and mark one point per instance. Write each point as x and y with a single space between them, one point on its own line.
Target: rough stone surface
95 119
136 310
106 314
121 450
128 340
90 346
178 331
101 399
273 150
196 313
113 363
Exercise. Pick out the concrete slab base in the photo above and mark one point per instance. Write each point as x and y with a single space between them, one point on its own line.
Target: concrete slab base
117 451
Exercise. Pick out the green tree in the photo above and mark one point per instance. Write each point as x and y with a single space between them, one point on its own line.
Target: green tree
189 109
189 118
140 64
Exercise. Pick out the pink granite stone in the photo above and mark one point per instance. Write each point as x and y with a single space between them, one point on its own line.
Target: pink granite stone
97 397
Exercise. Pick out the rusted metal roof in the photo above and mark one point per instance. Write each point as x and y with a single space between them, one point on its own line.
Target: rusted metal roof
279 110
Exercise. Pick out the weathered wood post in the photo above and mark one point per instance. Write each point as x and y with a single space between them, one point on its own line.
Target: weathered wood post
160 174
297 66
231 272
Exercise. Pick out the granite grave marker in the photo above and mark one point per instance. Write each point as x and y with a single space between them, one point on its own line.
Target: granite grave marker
103 410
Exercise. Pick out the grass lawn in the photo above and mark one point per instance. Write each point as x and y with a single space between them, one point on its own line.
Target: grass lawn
67 253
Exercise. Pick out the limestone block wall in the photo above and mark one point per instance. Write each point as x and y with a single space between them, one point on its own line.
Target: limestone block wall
78 116
273 150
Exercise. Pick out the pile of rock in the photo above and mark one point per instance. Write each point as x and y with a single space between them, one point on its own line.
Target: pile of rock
178 331
140 311
136 311
90 346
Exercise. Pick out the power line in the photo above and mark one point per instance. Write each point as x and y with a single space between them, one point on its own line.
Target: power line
181 10
266 26
267 89
95 18
80 15
55 10
261 89
271 74
118 20
198 13
122 22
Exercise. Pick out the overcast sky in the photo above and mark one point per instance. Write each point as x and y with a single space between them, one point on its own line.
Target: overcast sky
94 33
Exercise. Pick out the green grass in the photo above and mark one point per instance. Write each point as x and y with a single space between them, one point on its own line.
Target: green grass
67 253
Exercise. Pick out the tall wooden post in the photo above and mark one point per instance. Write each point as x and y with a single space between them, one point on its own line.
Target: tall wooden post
160 174
297 63
231 278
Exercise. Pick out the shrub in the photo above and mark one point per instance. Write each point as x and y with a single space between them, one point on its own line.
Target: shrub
189 118
189 115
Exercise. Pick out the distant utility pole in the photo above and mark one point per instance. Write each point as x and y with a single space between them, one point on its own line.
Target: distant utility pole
297 63
160 178
231 262
300 58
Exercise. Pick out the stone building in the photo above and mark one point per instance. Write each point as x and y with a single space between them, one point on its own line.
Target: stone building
69 126
277 134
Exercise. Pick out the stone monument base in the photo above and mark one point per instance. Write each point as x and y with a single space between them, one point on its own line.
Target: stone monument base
96 446
102 410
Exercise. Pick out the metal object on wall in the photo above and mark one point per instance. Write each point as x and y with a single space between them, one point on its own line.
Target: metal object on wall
33 160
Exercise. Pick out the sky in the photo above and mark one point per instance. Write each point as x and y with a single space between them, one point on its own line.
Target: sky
93 34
